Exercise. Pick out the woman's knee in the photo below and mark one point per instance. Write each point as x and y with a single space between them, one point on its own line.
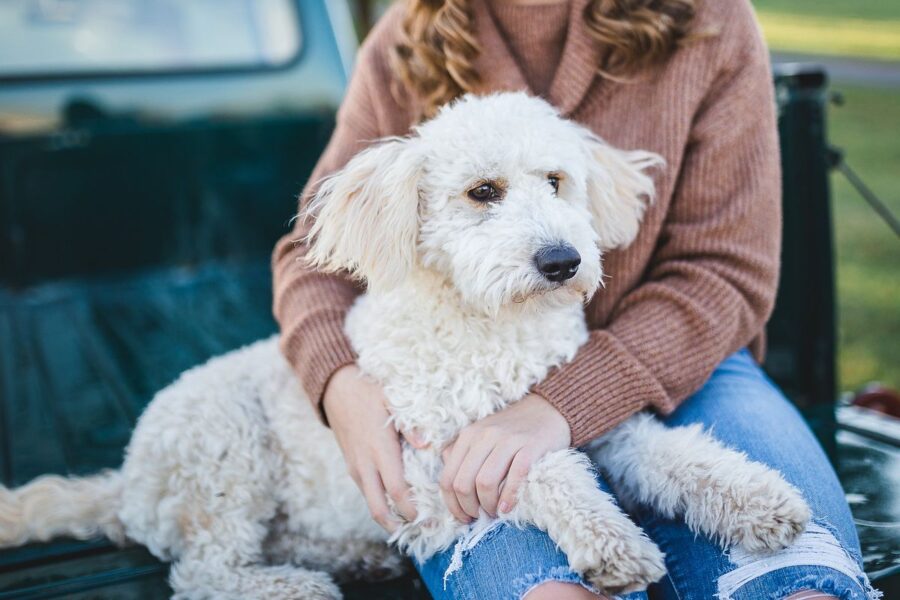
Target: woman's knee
559 590
817 561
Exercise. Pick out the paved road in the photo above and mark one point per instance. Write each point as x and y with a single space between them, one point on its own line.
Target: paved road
850 70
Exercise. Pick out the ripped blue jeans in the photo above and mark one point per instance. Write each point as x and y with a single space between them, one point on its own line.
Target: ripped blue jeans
744 410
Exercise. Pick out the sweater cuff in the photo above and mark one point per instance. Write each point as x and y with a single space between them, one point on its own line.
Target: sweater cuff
601 388
316 349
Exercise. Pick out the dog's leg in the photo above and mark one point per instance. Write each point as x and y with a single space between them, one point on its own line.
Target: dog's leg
220 555
201 487
561 496
223 557
683 471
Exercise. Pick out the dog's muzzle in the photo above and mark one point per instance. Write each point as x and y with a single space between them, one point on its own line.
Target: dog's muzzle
558 262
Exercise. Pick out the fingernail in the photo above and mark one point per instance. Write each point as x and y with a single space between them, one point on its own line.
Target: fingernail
504 506
415 438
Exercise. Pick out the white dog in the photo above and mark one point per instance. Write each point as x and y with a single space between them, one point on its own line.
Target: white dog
479 237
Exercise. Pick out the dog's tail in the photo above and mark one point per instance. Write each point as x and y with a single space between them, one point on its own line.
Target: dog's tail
51 506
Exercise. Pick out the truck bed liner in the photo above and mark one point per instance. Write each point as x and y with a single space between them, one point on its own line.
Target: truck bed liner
80 359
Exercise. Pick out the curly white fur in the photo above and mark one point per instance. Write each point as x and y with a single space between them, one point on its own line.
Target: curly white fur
230 474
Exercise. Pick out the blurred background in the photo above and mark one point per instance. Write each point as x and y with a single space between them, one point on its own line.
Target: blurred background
858 41
150 155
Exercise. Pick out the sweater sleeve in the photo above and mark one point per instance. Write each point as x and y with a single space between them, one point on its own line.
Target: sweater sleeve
310 306
711 282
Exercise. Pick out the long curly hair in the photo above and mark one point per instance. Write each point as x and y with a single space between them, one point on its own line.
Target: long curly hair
434 57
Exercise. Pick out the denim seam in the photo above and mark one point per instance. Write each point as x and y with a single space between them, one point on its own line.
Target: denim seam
673 586
857 557
467 542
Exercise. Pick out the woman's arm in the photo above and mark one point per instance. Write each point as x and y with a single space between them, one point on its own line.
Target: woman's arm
707 293
310 306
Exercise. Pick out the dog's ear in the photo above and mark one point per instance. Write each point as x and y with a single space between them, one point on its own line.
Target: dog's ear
619 189
366 216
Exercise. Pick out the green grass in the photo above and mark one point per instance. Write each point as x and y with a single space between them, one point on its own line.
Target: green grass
868 254
861 28
854 9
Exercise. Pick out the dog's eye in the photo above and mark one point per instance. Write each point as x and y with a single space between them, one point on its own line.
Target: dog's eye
484 193
554 182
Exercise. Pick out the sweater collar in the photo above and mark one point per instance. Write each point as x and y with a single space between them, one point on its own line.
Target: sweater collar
576 70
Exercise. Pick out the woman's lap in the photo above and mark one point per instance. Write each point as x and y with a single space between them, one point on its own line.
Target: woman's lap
744 410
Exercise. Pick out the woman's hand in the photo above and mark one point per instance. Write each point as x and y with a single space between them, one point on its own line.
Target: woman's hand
357 413
487 463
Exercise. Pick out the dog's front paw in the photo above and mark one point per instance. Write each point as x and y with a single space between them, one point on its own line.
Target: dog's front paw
615 556
768 517
639 564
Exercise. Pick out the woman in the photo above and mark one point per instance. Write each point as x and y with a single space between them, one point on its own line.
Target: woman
690 80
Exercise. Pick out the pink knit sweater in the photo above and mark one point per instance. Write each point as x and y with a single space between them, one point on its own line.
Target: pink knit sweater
697 284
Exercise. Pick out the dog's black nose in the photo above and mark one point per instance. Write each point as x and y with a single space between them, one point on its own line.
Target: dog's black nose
558 262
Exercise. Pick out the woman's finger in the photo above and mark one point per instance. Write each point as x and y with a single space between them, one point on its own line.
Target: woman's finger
373 490
454 507
414 438
518 471
446 453
491 475
390 470
453 456
464 482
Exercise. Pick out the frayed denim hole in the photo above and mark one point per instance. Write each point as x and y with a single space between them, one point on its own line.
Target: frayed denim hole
493 531
526 583
817 548
468 542
856 556
805 578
